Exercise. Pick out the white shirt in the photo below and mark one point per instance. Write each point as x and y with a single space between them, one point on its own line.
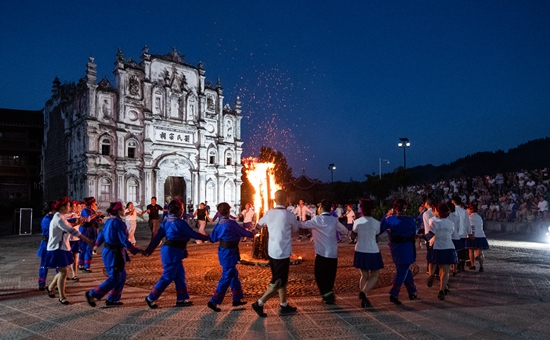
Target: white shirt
367 228
248 216
443 230
464 226
302 211
339 212
323 228
350 215
453 217
543 205
477 223
60 230
426 216
280 224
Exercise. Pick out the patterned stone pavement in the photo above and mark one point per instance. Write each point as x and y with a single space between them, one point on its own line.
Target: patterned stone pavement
510 300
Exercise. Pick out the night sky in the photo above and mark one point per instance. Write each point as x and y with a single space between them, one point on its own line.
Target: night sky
322 81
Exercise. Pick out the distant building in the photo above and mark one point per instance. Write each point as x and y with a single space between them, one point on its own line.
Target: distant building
161 130
20 148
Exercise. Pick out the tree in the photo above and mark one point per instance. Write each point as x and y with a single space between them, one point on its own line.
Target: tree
283 174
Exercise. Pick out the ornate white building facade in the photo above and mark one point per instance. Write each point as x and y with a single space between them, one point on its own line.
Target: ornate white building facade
160 131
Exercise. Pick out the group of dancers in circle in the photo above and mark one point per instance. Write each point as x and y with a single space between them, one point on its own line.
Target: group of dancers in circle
69 231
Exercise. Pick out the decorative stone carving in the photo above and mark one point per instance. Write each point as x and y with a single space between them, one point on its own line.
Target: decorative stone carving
133 85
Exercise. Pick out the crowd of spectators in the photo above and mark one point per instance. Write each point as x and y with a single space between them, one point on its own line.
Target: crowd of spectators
513 197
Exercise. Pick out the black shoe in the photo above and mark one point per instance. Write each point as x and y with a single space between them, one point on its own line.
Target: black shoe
441 295
50 293
473 268
447 291
430 281
413 296
90 299
213 307
259 309
239 303
63 301
481 269
86 270
41 288
365 303
287 310
454 274
184 303
151 303
329 301
75 279
395 300
113 303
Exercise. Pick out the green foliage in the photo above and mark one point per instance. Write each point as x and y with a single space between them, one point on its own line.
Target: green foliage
413 199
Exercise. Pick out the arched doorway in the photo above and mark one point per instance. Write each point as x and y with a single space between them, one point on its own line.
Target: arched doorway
174 187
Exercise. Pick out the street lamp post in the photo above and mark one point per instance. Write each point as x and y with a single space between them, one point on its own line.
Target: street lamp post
380 165
331 167
404 143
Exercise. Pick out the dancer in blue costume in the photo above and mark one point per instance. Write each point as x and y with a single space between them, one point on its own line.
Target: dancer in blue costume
43 248
114 238
401 230
229 233
173 251
89 228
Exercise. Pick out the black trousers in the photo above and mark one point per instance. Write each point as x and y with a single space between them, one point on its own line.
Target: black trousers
325 273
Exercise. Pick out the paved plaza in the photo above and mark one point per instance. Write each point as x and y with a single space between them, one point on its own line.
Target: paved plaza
510 300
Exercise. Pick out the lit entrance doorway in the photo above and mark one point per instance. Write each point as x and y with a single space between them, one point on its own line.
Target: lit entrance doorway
174 187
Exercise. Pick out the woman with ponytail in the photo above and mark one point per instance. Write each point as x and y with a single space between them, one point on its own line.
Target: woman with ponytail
59 253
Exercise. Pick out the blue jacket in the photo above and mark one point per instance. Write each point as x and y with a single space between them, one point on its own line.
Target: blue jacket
45 226
89 229
115 235
401 230
176 229
228 230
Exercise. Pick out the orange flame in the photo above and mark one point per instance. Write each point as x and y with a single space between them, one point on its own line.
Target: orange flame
262 178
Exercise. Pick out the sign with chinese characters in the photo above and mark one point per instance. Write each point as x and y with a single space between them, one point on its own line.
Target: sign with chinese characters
173 136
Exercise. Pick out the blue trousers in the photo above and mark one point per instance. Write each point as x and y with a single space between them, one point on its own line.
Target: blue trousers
42 272
172 272
85 258
114 284
230 278
403 276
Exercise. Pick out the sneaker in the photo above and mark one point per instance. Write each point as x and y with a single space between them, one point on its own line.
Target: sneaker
184 303
259 309
213 307
151 303
113 303
287 310
90 299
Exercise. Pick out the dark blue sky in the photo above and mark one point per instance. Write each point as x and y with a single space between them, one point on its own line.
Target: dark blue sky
322 81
